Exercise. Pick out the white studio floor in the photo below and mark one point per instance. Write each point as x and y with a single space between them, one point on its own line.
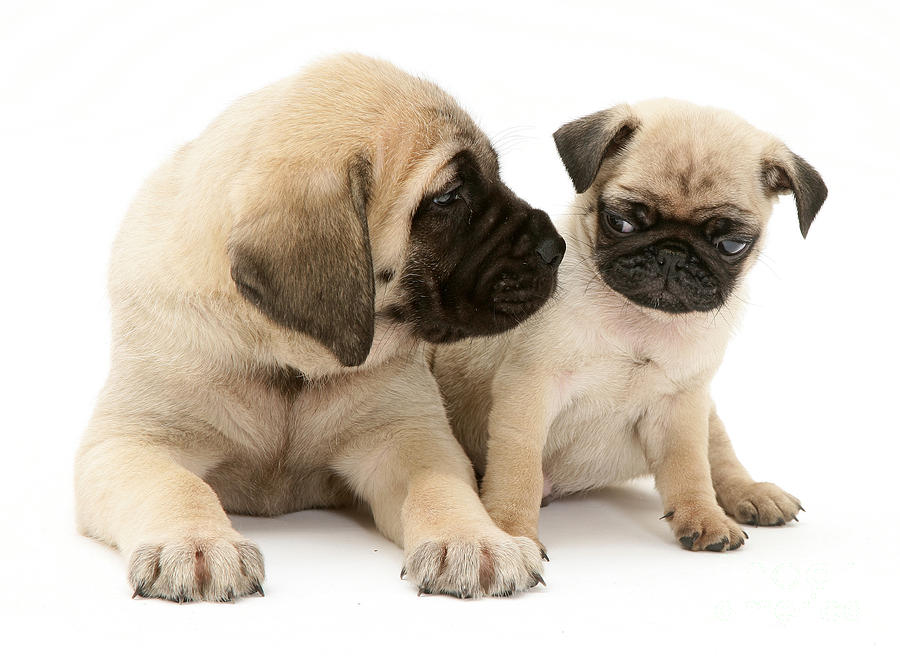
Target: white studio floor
616 579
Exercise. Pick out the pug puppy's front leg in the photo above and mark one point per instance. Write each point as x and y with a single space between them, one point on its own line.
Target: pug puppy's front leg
749 502
675 439
513 482
179 543
422 492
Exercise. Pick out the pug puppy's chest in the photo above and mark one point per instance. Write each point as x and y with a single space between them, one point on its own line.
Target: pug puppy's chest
592 441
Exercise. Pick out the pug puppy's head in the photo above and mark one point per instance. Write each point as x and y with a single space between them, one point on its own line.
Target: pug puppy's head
373 202
677 198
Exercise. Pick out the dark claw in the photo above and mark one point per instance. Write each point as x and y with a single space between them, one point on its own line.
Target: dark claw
801 507
138 592
424 591
544 556
754 519
795 518
746 537
539 578
717 546
688 540
668 515
403 573
259 590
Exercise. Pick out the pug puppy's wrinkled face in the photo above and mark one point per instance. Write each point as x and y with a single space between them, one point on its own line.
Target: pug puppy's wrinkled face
668 264
480 259
678 198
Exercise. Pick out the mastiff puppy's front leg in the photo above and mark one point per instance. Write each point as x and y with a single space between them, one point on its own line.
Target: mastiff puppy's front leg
423 494
132 493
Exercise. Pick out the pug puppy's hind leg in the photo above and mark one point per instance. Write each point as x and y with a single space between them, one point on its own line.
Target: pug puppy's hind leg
675 442
749 502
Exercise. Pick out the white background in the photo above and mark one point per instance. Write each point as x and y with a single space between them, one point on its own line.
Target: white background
94 95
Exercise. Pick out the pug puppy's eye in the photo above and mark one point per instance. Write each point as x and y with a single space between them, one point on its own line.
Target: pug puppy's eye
618 223
449 196
732 246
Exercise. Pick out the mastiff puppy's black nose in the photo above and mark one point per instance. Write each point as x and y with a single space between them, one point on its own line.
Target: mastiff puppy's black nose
551 250
550 246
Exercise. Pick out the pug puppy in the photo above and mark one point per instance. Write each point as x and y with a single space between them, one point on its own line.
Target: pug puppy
272 289
610 380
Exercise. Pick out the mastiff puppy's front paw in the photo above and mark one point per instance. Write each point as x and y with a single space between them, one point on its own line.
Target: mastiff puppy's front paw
495 565
197 569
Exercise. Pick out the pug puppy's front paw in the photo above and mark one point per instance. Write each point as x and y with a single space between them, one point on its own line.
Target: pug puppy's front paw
496 565
517 530
513 523
197 569
760 504
704 527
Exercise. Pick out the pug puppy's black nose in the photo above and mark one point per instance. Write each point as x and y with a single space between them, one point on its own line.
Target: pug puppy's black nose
551 250
669 257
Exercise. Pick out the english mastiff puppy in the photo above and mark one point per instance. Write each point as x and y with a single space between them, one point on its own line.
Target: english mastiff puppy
272 288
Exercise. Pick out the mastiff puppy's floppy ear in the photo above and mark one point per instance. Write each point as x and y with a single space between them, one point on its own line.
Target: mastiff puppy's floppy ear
302 257
793 174
584 143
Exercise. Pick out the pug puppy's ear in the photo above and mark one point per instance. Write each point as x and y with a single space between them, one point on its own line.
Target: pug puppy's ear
584 143
791 173
302 257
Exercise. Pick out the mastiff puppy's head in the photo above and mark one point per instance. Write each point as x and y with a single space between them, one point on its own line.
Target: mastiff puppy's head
370 202
677 198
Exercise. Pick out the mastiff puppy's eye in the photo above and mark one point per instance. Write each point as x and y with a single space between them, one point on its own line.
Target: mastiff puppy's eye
449 196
